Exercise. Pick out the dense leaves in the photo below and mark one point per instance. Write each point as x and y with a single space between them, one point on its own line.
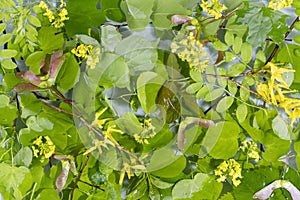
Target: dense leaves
157 99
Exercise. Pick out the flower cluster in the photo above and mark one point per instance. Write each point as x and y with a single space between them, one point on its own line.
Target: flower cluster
275 92
82 51
93 58
278 4
229 169
147 133
190 49
251 149
213 7
43 147
56 20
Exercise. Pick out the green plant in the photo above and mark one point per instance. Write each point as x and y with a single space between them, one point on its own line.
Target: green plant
156 99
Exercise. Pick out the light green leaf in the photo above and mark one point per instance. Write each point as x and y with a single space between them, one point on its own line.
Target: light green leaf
193 88
8 64
221 140
214 94
241 112
87 40
4 101
237 45
34 20
5 38
24 157
224 104
48 194
229 38
220 46
34 61
2 27
236 69
246 52
199 187
137 13
110 37
8 53
161 184
148 86
12 177
281 128
139 53
112 71
162 11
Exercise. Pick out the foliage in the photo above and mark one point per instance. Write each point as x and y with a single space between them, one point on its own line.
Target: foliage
158 99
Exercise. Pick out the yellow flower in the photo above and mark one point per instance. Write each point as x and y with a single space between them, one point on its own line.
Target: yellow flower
62 4
189 49
43 147
82 50
229 169
250 147
49 14
63 14
278 4
43 5
213 7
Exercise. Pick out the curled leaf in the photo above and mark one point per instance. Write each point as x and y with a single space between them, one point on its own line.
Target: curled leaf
25 87
56 61
30 77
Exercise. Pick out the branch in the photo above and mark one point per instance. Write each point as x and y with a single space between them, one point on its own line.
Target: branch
277 46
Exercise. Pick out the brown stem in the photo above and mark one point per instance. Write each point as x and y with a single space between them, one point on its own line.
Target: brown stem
79 175
95 186
286 35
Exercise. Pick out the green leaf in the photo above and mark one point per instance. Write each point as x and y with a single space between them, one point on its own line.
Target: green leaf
148 86
113 11
69 73
164 163
8 64
224 104
12 177
50 40
48 194
80 23
258 21
246 52
236 69
161 184
137 13
2 27
129 123
139 53
193 88
34 20
245 93
282 129
113 71
221 140
162 11
199 187
229 38
213 95
237 29
8 114
24 157
220 46
237 45
291 54
87 40
241 112
30 105
34 61
110 38
5 38
8 53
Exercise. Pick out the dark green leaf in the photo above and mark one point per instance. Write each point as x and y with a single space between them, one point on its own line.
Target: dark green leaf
50 40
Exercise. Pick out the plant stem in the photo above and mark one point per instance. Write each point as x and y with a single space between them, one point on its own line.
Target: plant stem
277 46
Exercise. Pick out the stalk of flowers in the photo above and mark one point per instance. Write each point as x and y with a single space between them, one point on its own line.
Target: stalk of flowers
43 148
56 19
274 92
213 7
251 149
189 49
278 4
87 52
229 170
